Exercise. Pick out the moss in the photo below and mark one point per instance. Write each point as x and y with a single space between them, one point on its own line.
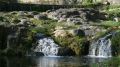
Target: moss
74 42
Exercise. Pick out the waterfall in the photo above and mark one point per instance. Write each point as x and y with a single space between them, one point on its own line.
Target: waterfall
101 48
47 46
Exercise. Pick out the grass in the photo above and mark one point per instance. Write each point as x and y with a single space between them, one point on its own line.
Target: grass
110 23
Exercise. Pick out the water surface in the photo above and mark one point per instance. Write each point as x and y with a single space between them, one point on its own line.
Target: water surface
59 62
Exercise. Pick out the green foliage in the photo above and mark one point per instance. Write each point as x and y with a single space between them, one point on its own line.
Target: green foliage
116 44
112 11
44 26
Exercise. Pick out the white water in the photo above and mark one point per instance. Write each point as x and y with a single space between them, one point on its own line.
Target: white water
47 46
101 48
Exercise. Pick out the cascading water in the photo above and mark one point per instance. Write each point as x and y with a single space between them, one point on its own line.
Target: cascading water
47 46
101 48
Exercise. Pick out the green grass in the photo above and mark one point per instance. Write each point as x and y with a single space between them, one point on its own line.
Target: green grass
110 23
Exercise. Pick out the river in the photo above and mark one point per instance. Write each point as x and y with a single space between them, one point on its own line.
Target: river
58 62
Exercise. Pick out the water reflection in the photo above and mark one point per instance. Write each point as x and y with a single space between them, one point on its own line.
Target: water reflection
53 62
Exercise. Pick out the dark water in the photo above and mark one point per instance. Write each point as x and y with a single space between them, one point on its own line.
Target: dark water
59 62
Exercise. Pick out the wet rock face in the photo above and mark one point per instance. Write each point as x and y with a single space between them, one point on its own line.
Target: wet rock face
77 15
4 31
38 54
65 51
12 36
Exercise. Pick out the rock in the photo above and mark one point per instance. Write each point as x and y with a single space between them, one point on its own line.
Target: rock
117 19
60 33
38 54
89 32
12 40
40 16
77 15
32 13
21 13
59 28
85 48
72 21
39 36
14 12
4 32
24 22
62 20
65 51
77 32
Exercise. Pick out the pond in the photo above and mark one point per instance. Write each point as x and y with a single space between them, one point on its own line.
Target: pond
59 62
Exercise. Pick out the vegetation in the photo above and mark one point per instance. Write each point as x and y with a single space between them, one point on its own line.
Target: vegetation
116 44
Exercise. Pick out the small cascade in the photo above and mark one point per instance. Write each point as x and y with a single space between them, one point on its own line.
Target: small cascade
101 48
47 46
